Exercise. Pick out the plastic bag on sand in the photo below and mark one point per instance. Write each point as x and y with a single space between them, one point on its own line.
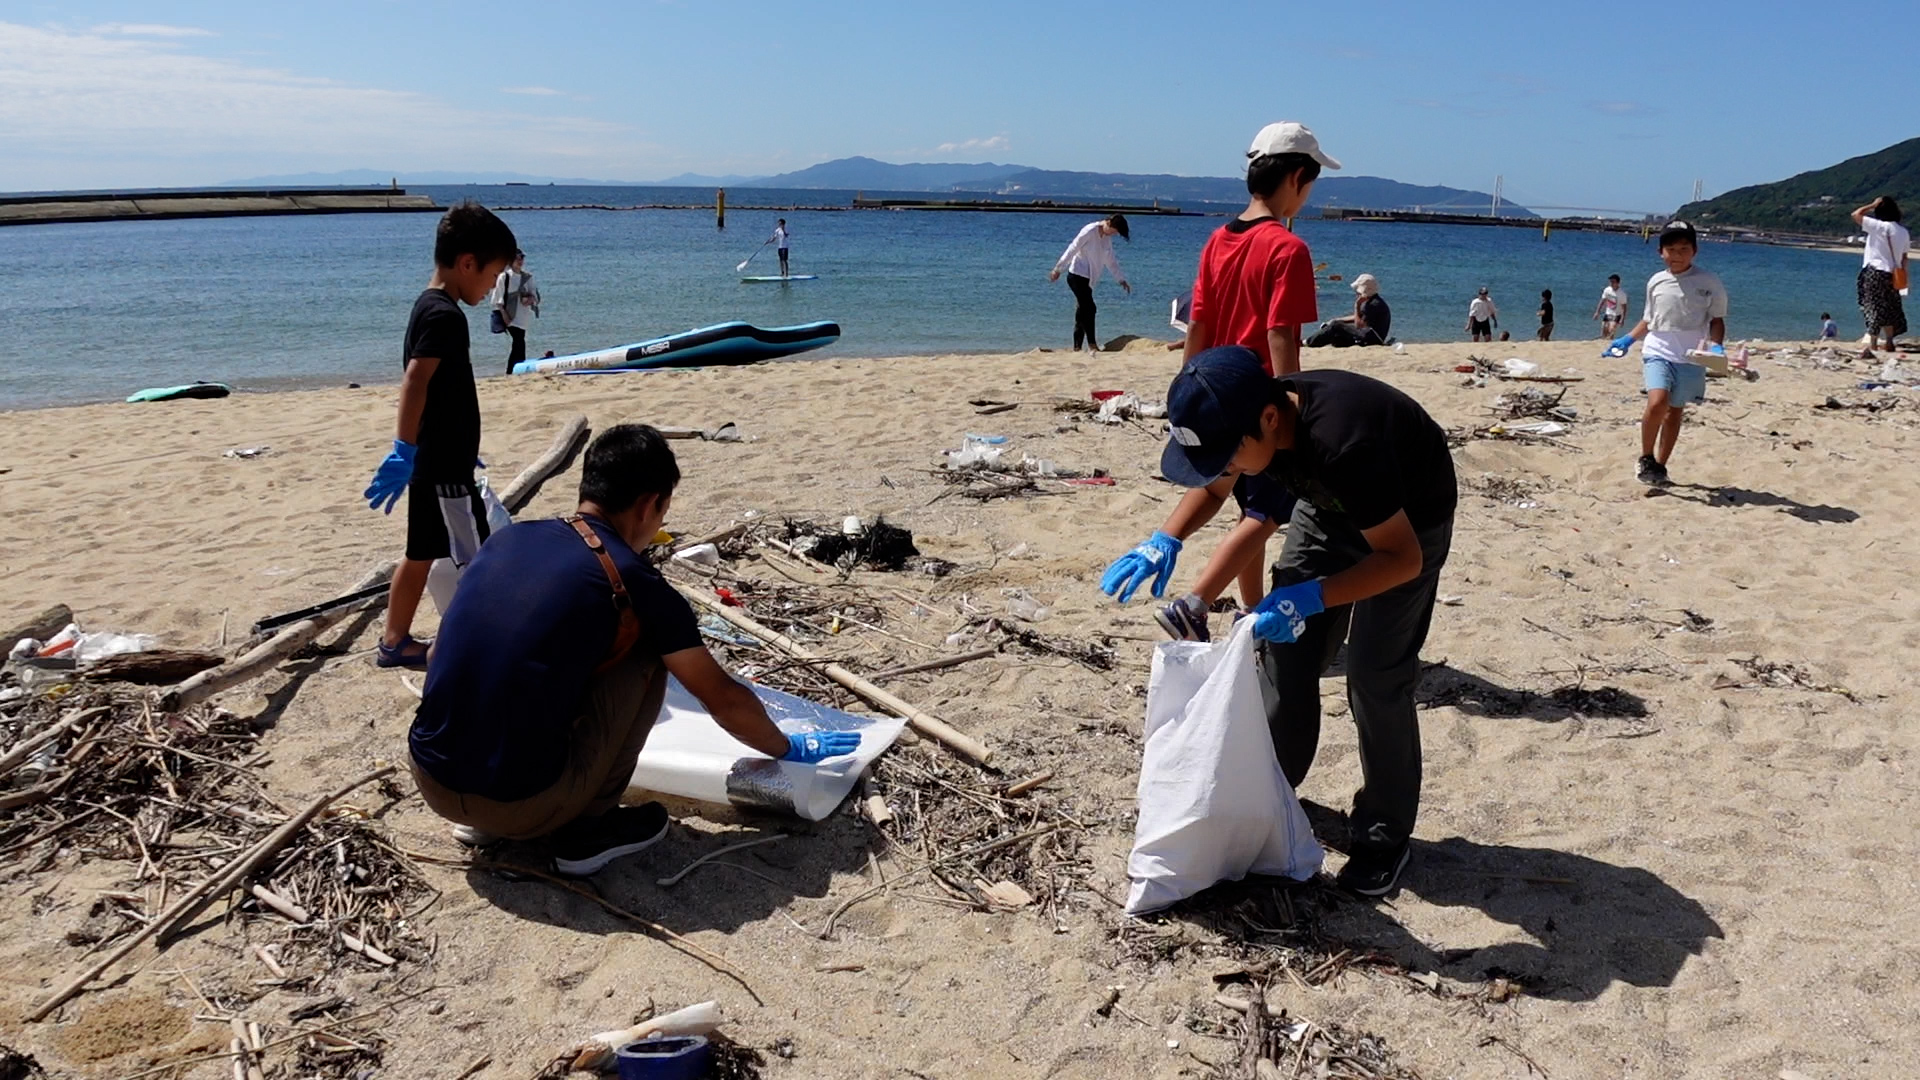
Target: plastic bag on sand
1214 805
1520 369
688 755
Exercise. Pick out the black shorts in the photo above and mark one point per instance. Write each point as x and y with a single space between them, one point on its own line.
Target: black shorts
445 520
1482 326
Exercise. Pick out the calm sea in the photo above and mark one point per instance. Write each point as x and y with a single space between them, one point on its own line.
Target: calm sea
96 311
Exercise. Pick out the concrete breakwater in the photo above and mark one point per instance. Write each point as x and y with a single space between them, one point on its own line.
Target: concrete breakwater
39 209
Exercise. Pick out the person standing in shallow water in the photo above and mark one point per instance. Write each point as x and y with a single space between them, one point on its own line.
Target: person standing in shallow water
1090 254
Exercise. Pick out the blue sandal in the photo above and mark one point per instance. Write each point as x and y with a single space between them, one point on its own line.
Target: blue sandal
410 654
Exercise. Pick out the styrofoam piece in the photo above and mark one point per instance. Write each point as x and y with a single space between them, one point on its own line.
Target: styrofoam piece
688 755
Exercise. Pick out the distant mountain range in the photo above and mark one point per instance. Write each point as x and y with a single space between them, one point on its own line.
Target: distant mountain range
983 178
1818 201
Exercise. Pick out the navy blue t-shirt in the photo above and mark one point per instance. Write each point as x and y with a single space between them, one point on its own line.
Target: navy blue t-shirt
517 647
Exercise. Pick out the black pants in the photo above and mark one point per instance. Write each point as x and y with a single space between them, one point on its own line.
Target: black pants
518 351
783 262
1383 635
1083 311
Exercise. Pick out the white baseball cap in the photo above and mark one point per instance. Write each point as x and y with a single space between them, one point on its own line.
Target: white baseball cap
1288 137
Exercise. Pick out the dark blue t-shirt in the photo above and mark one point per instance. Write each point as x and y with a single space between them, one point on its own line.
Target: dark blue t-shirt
517 647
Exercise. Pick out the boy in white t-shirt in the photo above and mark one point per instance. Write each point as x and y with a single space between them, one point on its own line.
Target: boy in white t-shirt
1686 309
1612 308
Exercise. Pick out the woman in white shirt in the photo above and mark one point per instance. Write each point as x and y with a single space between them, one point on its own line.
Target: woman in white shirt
1886 258
1090 253
516 303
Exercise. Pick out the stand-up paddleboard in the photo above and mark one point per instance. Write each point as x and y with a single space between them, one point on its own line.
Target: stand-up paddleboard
175 393
724 344
762 279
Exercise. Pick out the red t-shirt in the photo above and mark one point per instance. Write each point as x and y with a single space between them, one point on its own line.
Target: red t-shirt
1254 275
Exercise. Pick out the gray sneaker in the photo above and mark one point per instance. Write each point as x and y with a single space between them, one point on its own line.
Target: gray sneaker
1184 620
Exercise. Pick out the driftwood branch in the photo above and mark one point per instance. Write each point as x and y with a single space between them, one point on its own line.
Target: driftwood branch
257 660
152 667
922 721
40 627
573 435
197 898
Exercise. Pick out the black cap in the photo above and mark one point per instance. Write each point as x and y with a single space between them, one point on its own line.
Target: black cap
1215 402
1674 232
1119 223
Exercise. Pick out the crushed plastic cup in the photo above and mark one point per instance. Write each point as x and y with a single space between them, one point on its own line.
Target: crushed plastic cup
700 555
1021 605
1400 348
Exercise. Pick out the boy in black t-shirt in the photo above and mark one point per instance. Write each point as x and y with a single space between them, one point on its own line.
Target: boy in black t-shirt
1368 537
437 438
1546 314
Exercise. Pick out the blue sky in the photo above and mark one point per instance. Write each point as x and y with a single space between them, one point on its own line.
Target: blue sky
1589 105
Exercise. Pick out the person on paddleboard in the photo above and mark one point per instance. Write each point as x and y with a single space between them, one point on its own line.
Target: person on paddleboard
1090 253
779 242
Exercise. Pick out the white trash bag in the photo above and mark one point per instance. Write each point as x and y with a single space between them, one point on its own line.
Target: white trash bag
443 577
1214 805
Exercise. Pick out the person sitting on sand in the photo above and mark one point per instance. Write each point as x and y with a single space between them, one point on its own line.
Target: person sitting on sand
1369 324
552 663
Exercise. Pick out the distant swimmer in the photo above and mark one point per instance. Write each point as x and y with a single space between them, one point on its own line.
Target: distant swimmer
1091 253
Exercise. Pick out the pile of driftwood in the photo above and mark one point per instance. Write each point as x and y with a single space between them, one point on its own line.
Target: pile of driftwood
100 774
985 843
1281 1048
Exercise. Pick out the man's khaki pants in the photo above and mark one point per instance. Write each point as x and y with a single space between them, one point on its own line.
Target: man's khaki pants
622 705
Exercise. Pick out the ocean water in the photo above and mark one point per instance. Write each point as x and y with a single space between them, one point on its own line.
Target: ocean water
95 311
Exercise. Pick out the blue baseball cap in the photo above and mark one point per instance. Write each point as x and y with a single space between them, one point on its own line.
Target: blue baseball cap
1215 401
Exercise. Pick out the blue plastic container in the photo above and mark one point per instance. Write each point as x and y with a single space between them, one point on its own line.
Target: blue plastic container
673 1057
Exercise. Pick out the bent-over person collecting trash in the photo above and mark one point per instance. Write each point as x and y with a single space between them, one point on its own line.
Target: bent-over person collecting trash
552 664
1362 559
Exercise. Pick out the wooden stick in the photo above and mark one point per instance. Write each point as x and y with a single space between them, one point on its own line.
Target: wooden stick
245 1064
924 722
281 904
370 952
22 750
288 641
267 959
936 665
479 1063
1031 782
196 899
715 537
573 435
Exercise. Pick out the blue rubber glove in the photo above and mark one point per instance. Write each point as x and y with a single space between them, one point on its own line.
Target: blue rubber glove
1152 559
814 746
390 479
1717 349
1282 616
1619 346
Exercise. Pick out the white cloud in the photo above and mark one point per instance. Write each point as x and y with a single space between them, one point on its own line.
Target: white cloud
532 91
993 144
157 30
97 109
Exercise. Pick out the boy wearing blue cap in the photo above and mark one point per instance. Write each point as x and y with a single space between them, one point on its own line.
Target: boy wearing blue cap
1365 545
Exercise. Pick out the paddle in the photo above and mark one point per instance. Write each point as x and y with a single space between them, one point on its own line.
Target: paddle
750 258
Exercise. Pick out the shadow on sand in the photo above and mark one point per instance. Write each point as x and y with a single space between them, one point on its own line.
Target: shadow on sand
1735 496
1587 924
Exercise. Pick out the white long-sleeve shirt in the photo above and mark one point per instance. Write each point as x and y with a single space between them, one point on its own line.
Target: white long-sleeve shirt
1090 253
1482 309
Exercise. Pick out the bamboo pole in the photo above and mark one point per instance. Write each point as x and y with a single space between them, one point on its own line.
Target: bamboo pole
197 898
936 665
922 721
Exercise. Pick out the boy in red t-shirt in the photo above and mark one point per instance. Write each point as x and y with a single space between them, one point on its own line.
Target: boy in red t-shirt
1255 288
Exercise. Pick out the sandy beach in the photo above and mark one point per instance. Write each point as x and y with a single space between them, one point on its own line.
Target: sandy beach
1666 827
